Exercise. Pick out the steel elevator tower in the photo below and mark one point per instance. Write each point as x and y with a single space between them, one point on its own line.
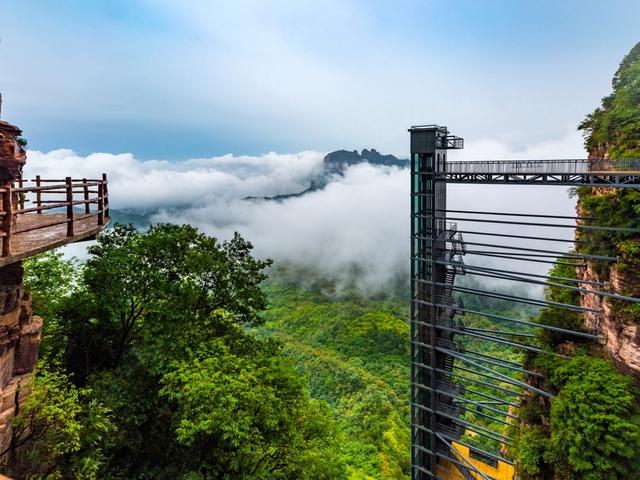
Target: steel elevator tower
432 300
455 385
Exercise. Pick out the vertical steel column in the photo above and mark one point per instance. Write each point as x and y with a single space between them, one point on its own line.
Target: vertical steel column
428 157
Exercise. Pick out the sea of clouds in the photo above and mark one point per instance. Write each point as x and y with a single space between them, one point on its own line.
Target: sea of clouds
358 220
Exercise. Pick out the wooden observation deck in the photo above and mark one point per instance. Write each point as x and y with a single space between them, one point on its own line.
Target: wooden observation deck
43 214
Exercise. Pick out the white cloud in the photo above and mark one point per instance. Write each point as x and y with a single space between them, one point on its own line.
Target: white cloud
361 219
161 184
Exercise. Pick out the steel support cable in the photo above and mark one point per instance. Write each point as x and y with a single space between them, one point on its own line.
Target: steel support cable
485 432
420 259
482 414
503 363
499 332
481 402
446 457
507 214
568 255
533 224
499 388
485 337
503 378
489 454
477 381
490 417
467 461
464 359
524 322
514 320
493 339
523 259
541 255
524 237
488 338
504 296
496 270
474 380
422 469
559 285
496 399
456 397
515 364
476 428
530 301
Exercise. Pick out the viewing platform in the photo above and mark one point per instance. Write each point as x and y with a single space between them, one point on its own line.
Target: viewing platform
43 214
571 172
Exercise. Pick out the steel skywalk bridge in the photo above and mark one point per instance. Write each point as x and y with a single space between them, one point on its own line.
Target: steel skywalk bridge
570 172
447 375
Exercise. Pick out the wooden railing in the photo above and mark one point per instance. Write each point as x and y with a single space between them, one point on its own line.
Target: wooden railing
41 203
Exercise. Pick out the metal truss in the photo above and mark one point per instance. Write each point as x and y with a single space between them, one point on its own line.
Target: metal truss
454 386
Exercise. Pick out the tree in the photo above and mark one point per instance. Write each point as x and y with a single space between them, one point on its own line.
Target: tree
247 416
58 432
595 422
614 127
157 329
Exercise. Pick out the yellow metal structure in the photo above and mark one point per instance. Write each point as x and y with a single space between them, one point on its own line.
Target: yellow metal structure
448 471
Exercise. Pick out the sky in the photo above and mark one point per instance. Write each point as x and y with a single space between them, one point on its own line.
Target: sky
175 80
192 106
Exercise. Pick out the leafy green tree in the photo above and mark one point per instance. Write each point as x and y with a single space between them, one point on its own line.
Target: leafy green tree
595 422
246 416
157 329
614 127
58 431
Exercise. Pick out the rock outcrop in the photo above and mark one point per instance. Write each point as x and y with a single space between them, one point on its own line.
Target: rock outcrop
20 333
616 324
20 330
619 330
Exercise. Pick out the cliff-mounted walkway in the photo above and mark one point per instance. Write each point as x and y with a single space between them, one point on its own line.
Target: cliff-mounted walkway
43 214
570 172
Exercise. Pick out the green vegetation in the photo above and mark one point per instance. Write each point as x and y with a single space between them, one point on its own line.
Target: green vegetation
591 428
614 127
355 353
150 369
617 208
60 431
172 355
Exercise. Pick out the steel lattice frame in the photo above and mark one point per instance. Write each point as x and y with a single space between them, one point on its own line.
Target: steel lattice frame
438 362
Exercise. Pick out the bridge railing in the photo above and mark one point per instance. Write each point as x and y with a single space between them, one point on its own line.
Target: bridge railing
43 203
564 166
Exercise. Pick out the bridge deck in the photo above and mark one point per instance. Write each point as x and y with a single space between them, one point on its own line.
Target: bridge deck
571 172
38 233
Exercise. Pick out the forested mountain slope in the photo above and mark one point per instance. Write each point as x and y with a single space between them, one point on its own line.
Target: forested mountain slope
591 429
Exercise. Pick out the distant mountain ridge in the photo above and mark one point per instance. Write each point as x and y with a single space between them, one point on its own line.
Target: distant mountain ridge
336 163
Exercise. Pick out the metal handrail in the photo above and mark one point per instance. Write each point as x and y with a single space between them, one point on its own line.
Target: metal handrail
561 166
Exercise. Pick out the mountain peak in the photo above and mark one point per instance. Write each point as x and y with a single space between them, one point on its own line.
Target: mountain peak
338 161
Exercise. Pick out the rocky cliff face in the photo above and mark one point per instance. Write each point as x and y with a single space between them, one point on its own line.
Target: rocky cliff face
617 324
20 330
620 331
20 333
